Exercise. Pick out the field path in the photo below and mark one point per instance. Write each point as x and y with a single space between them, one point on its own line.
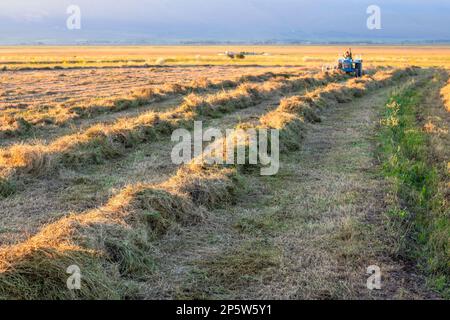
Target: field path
337 196
309 232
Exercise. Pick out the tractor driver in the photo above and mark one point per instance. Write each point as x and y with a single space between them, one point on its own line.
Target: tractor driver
348 54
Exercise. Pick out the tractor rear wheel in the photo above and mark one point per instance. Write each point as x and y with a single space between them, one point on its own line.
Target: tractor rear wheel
358 71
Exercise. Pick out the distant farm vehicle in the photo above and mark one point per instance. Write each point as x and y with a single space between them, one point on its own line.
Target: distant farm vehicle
242 54
233 55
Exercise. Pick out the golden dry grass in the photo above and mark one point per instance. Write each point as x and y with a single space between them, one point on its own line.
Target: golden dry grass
113 243
95 240
110 243
63 98
445 93
305 107
104 141
40 57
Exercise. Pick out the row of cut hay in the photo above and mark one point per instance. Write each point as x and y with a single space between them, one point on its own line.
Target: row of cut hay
102 141
149 95
11 125
249 94
445 94
293 112
111 245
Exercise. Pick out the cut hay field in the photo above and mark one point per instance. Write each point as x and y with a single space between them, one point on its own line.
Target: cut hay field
87 179
17 57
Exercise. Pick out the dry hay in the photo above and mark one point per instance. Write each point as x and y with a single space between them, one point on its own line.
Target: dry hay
445 94
103 141
154 94
292 113
111 244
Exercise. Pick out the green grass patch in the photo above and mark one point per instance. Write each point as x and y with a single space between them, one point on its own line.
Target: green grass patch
419 213
7 188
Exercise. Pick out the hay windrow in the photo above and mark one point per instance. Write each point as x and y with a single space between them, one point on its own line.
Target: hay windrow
102 142
445 94
62 115
292 113
111 244
297 105
207 186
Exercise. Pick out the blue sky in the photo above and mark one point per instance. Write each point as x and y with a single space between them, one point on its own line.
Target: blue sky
222 20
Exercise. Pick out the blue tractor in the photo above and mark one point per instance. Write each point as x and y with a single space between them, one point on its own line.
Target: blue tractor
351 66
347 64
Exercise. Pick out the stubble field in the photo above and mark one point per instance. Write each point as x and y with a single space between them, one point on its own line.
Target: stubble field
86 176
